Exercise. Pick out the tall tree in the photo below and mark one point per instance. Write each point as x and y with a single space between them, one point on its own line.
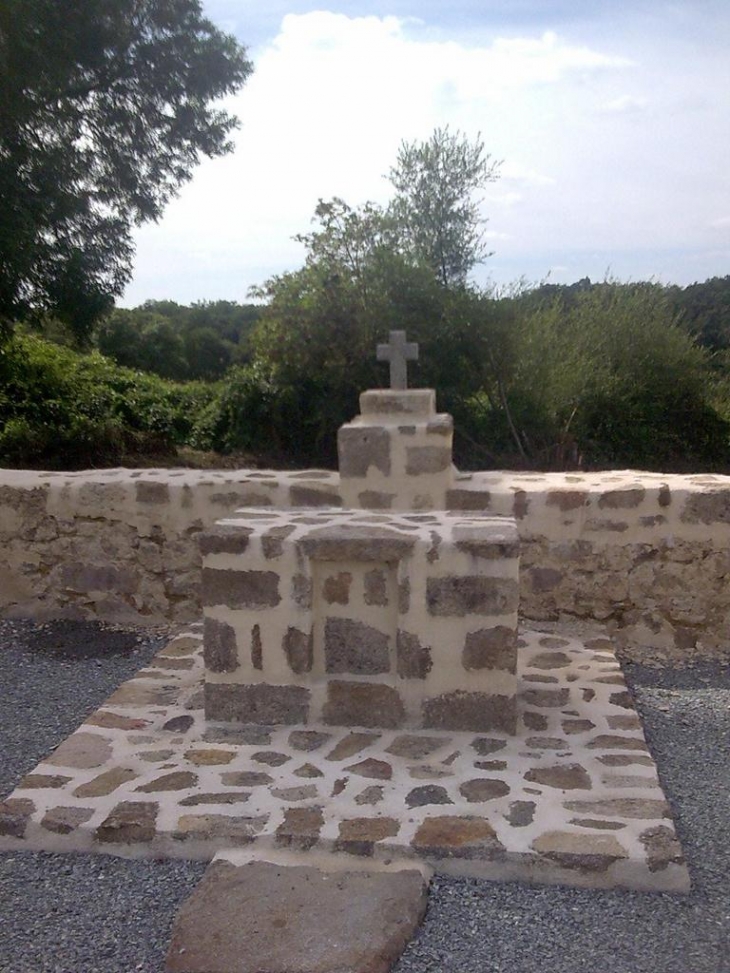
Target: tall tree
435 205
105 109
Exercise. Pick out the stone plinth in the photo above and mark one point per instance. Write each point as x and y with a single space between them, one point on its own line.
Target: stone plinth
347 617
396 455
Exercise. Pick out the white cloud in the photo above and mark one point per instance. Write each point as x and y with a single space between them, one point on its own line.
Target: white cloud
330 100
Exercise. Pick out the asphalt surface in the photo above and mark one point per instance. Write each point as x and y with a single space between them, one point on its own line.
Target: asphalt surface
98 914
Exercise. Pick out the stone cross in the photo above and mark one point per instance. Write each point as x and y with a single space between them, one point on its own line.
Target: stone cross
398 351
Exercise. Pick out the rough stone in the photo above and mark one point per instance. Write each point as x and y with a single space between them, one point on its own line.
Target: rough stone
272 542
544 579
622 807
566 500
257 703
300 828
371 795
359 835
451 836
261 916
178 780
234 829
521 813
219 797
272 758
371 767
607 741
550 660
534 721
577 726
105 783
220 650
32 781
546 698
621 499
308 740
486 745
362 704
245 778
460 499
209 757
416 747
307 496
562 776
483 789
376 499
427 794
308 770
491 648
662 847
586 853
221 539
712 507
303 792
81 750
351 744
115 721
15 813
129 823
353 647
64 820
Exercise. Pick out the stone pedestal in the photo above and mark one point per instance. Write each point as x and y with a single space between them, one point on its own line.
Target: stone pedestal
346 617
396 455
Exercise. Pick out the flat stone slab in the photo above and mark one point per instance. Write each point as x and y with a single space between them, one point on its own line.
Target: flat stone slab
572 798
295 919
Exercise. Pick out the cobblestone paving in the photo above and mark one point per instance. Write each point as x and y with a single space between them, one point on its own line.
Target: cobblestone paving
572 798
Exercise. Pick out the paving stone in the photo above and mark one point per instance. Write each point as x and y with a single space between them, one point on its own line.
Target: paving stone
577 726
563 776
15 813
490 764
428 772
64 820
624 721
371 795
662 847
597 824
308 770
486 745
234 829
370 767
544 698
457 837
606 741
535 721
271 758
219 797
415 746
546 743
105 783
521 813
245 778
308 740
82 750
177 781
115 721
302 793
237 736
209 757
483 789
141 692
260 916
358 836
300 828
155 756
130 822
550 660
428 794
622 807
179 724
32 781
625 760
586 853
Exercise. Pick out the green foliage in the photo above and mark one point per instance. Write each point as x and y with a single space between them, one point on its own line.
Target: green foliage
179 342
59 409
105 109
434 207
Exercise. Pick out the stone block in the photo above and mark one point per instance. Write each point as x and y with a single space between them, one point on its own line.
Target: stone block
362 704
462 710
460 595
220 650
491 648
298 648
296 919
222 539
421 460
256 703
241 589
413 659
356 543
360 447
148 492
354 647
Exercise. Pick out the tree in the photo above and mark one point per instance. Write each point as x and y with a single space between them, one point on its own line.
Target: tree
105 109
434 206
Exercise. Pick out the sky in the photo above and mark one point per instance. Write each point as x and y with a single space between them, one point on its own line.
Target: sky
610 121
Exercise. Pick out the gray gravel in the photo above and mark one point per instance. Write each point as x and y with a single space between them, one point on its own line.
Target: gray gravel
79 914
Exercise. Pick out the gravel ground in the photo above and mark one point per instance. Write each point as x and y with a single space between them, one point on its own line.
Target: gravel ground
78 914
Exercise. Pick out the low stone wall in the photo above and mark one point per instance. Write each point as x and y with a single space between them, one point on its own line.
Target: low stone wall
647 554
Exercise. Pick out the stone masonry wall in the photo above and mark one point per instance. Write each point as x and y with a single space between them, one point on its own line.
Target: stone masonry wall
649 554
